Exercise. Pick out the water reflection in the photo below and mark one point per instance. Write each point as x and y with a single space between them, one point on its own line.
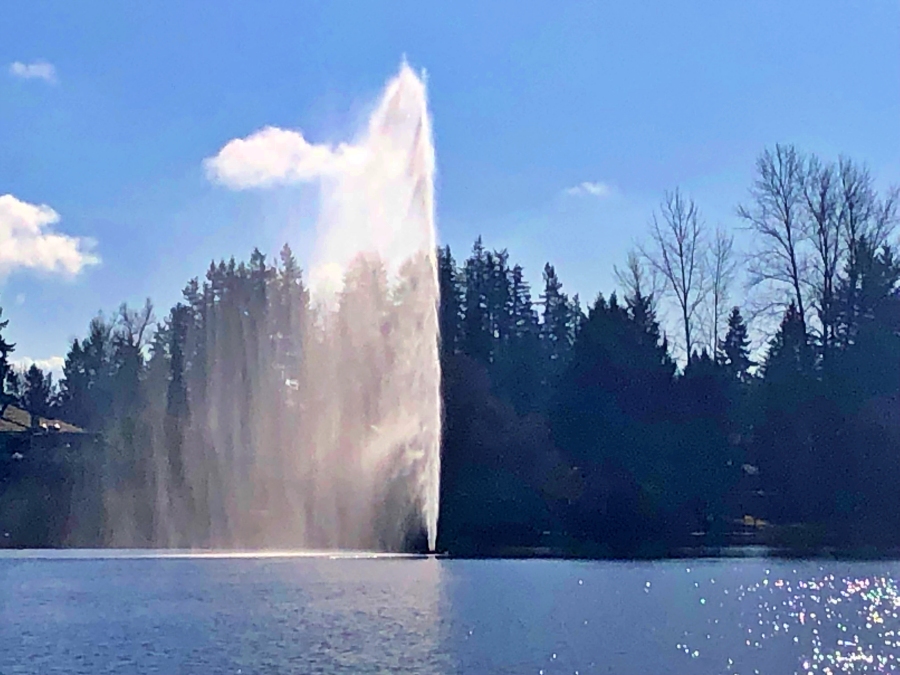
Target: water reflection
363 617
695 618
124 614
427 615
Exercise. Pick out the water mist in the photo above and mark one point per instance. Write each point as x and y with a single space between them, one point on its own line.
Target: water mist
313 422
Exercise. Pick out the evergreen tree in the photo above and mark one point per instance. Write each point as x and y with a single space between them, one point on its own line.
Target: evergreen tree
6 370
607 418
477 337
525 321
38 393
557 323
450 311
704 400
499 300
735 348
789 352
177 412
86 389
640 308
518 370
291 300
15 387
793 435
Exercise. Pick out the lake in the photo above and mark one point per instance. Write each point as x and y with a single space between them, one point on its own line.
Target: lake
76 613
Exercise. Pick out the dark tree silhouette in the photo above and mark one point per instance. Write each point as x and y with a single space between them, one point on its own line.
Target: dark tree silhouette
8 378
735 347
579 432
38 393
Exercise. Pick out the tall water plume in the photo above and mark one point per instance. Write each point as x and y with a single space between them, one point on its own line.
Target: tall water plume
295 416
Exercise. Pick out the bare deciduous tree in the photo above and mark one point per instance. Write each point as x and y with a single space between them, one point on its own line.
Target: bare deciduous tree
133 324
678 255
776 216
639 279
721 276
887 213
861 214
824 231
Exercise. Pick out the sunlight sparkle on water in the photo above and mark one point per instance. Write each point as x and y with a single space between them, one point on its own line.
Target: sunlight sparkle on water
841 624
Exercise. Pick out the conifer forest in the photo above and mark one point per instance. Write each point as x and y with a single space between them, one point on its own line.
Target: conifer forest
720 394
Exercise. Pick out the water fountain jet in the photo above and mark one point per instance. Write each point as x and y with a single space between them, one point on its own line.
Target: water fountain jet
322 429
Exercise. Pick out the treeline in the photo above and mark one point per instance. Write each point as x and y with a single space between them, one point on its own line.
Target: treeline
640 423
560 421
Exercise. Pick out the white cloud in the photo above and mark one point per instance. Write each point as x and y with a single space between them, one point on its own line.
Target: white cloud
591 189
28 241
54 364
20 299
39 70
274 156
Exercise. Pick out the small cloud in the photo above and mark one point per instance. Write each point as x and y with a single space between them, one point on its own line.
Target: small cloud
274 156
28 241
53 364
39 70
20 299
589 189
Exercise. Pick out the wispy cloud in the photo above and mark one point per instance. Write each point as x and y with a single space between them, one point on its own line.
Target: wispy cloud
591 189
27 241
53 364
39 70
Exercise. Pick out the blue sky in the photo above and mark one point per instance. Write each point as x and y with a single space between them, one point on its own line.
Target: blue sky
527 101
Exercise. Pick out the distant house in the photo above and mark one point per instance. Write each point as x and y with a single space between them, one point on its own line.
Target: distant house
49 482
15 420
20 434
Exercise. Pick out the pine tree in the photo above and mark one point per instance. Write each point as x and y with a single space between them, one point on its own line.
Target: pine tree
557 322
789 353
518 368
450 311
524 318
477 339
177 412
868 323
499 299
15 387
735 348
291 302
86 395
38 393
6 370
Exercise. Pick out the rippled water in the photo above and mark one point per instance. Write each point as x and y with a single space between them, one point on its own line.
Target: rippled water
124 614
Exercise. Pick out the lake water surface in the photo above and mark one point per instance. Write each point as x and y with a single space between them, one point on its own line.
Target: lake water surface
76 613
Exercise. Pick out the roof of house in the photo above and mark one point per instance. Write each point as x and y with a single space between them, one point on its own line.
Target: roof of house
16 420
